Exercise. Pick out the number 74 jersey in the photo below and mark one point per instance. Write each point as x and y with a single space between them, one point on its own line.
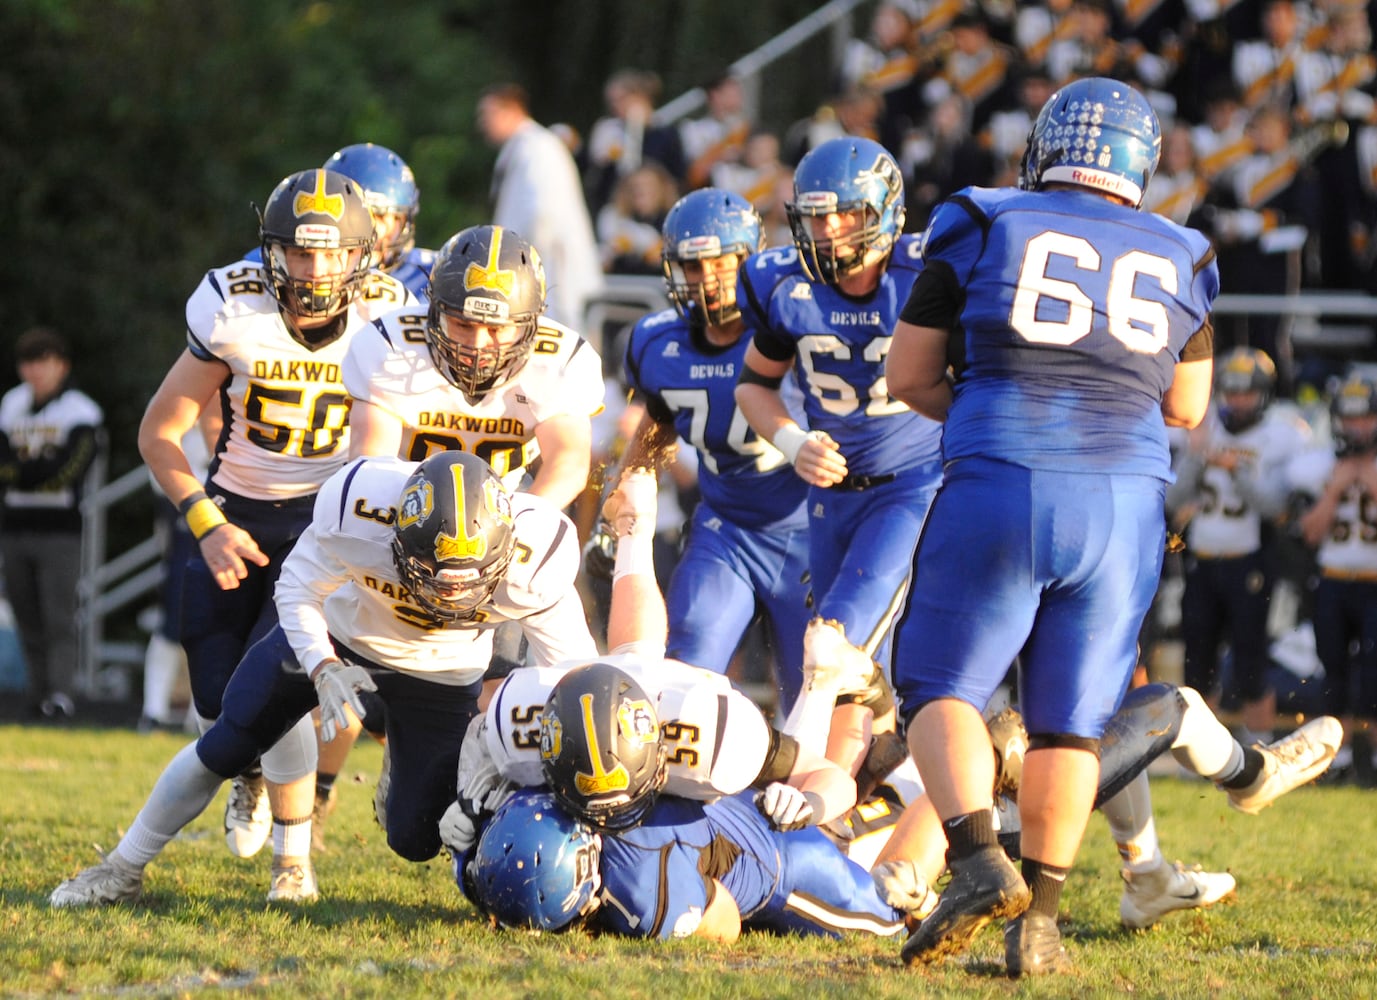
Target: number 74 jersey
287 412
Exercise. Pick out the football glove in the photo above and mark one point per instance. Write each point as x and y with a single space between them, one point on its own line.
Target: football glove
337 686
785 806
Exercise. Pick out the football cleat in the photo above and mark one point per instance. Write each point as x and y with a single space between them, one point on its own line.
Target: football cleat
294 881
248 817
111 881
984 886
900 884
631 506
829 659
1150 895
1032 946
1289 763
320 813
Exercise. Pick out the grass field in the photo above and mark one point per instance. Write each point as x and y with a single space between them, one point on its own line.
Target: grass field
1304 923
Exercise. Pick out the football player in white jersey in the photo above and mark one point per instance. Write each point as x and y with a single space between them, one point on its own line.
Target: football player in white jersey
265 346
1341 525
481 370
711 740
395 586
1230 485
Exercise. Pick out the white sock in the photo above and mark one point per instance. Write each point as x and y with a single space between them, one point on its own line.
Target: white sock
292 839
182 792
1129 814
1204 745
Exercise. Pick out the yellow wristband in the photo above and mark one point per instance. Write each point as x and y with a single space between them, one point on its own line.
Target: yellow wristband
203 517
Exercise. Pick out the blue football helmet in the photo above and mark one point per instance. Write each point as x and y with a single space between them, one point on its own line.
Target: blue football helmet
316 210
388 187
1097 133
535 867
846 174
1243 370
706 225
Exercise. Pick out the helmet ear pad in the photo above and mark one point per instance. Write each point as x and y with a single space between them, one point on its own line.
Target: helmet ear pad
602 754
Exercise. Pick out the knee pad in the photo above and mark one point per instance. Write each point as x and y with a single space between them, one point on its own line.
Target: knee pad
294 756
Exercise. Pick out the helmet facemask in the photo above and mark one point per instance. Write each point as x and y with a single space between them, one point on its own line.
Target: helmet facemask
711 296
476 370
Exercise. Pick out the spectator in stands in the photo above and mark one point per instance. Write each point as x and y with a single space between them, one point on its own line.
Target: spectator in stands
624 138
757 177
853 112
1177 188
536 191
629 225
942 158
718 135
49 436
1264 69
1041 25
977 68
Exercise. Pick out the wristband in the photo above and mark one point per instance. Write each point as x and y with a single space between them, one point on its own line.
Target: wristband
202 514
788 440
635 557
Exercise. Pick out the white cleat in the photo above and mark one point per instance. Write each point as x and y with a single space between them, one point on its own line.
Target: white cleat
902 887
294 881
248 817
1150 895
829 660
111 881
1290 762
632 505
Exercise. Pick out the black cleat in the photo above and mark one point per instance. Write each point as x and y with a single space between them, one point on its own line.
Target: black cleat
985 886
1032 946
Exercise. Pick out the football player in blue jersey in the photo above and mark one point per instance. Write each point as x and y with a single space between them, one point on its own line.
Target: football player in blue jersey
1080 328
688 869
825 308
747 547
389 189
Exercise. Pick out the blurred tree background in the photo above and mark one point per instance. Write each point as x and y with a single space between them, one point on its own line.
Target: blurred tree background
136 135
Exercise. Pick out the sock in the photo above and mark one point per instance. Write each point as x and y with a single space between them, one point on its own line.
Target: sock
324 782
182 792
1046 882
1247 774
1203 744
1129 815
291 837
968 833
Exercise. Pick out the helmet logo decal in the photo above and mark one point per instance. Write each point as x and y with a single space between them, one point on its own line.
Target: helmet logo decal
318 201
460 545
636 722
601 781
491 278
417 503
551 736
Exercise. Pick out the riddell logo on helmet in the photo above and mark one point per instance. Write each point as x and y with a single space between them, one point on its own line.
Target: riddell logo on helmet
1093 179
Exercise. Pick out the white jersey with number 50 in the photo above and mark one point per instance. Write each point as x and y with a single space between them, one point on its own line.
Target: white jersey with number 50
287 412
715 737
390 367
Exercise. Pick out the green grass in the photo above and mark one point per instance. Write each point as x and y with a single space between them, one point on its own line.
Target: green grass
1304 923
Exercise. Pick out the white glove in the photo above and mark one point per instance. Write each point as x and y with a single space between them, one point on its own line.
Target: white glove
631 506
785 806
902 887
477 773
458 830
337 685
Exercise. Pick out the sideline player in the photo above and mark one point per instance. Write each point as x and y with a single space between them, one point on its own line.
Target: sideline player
265 344
396 586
